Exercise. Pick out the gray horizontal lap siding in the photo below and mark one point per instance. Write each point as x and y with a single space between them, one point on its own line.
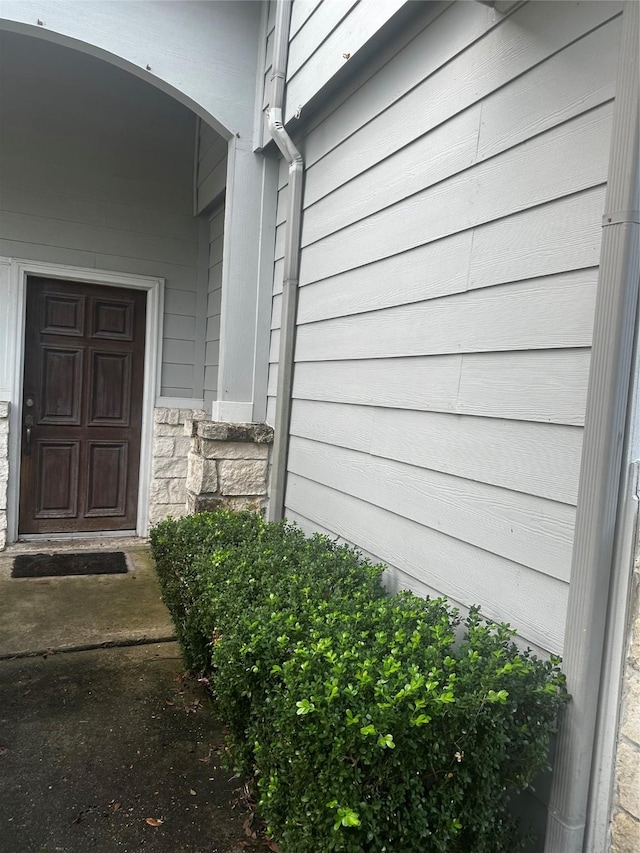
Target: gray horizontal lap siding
451 242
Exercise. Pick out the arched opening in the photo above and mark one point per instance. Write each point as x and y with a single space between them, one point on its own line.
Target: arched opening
102 171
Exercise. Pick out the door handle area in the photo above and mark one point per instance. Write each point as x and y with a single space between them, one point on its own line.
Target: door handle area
28 421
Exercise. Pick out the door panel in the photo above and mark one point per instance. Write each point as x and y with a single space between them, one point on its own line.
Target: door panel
57 482
113 320
60 385
107 479
110 393
82 410
63 315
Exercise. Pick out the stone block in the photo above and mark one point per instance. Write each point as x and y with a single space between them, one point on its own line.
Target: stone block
631 703
163 468
218 431
4 409
167 416
202 476
161 511
159 491
4 426
625 834
191 419
3 496
174 430
213 430
233 450
210 503
3 520
177 491
191 415
3 540
181 447
629 778
163 447
241 477
4 469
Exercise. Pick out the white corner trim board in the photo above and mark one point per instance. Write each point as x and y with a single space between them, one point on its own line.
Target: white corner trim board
13 287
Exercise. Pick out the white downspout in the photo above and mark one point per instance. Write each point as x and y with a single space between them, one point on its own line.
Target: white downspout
291 260
592 568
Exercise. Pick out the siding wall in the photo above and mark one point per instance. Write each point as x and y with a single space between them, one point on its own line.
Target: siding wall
216 239
96 170
324 35
212 166
451 239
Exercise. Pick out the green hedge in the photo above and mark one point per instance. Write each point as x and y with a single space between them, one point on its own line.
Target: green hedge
372 723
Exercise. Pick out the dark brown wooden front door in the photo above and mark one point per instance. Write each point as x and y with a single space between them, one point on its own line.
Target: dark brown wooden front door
82 407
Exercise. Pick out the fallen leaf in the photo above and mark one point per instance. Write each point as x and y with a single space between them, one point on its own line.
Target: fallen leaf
272 846
154 821
248 830
117 806
192 792
3 750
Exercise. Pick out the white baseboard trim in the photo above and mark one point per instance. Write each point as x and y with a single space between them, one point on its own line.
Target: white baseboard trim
227 411
179 403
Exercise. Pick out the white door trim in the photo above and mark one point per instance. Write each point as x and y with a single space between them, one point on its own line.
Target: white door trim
19 270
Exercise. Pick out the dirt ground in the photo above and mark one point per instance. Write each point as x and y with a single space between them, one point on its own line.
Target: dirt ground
113 750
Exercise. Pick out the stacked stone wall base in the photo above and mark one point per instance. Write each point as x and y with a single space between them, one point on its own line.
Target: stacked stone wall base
172 431
228 466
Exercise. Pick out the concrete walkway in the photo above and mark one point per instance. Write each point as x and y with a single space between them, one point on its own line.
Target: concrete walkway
38 614
105 745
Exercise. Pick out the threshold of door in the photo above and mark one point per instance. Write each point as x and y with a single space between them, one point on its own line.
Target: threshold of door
95 534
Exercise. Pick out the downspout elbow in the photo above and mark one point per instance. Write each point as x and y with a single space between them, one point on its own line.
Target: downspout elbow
283 140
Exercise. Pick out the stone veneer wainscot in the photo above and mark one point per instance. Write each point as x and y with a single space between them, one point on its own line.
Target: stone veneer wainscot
228 466
171 446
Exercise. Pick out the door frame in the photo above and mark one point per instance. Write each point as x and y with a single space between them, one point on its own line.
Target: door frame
154 287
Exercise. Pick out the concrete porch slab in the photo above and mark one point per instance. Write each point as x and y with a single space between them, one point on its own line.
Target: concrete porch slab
38 615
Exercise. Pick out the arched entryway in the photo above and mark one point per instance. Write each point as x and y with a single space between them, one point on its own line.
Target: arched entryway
101 186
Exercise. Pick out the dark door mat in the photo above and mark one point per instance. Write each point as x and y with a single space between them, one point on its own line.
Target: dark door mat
58 565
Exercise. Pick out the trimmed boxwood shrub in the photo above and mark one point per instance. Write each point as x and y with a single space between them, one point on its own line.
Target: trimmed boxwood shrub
371 723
